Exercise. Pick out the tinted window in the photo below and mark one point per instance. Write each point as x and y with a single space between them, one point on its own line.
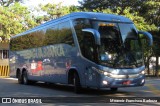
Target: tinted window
80 24
16 44
60 33
88 48
65 34
85 39
36 39
51 35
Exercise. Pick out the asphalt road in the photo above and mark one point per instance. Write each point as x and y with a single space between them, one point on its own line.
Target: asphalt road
61 94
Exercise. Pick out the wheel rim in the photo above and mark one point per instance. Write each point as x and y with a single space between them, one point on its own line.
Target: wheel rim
24 78
19 78
74 82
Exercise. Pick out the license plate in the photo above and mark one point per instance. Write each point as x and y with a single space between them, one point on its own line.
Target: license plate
126 82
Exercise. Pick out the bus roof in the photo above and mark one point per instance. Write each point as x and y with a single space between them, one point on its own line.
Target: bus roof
89 15
100 16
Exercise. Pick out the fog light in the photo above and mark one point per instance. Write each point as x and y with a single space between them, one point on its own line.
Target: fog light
142 81
105 82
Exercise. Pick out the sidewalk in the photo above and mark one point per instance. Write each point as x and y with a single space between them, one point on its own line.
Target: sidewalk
152 77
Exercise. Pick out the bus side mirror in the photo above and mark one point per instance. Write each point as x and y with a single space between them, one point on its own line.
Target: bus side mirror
95 33
148 35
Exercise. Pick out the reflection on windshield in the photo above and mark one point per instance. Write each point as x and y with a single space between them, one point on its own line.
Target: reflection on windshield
120 45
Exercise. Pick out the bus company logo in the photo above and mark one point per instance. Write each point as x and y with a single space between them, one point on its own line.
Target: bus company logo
127 76
6 100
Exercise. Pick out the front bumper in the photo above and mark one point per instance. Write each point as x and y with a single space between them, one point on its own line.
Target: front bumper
127 82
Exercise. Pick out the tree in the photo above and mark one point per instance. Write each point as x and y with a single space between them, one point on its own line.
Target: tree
151 11
55 10
110 4
139 21
14 19
73 8
6 3
148 9
25 17
8 23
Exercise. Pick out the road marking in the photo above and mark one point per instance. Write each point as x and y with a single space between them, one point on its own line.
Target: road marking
10 78
153 89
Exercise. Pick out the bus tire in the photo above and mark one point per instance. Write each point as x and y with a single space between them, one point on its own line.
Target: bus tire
114 89
25 78
20 79
76 83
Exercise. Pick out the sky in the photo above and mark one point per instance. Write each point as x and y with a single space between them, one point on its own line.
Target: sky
31 4
34 3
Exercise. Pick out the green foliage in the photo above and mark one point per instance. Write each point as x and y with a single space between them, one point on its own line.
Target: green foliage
55 10
14 19
6 3
109 4
8 23
151 11
139 21
73 8
144 13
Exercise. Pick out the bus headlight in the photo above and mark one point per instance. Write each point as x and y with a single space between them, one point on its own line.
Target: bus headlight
143 72
101 71
106 73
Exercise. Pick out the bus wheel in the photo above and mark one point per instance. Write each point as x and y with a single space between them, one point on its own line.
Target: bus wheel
76 83
25 78
114 89
20 79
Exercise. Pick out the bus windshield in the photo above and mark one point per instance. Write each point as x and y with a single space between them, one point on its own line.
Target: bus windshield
120 45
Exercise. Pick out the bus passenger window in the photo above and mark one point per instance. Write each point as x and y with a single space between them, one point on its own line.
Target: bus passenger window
65 33
60 33
88 46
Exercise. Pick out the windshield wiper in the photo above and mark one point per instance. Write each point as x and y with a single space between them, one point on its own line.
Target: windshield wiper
127 56
132 57
119 54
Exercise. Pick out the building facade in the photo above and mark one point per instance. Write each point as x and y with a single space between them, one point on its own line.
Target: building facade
4 55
